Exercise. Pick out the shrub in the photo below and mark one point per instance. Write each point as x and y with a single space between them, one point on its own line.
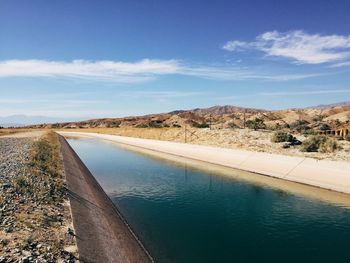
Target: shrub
232 125
312 144
282 137
21 184
330 145
319 143
325 127
309 132
155 124
200 125
256 124
300 126
347 138
277 126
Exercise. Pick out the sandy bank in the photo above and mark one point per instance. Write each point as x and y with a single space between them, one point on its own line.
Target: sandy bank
101 232
332 175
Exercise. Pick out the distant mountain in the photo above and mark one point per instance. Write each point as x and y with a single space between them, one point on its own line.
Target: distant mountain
226 109
325 106
226 116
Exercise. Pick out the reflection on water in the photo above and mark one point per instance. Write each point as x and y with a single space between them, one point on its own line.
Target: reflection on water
189 211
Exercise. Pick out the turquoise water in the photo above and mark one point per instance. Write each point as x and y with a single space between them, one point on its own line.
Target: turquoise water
186 214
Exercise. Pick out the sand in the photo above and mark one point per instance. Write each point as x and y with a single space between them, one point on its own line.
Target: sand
331 175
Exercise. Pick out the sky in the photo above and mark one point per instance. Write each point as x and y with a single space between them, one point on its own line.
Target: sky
85 59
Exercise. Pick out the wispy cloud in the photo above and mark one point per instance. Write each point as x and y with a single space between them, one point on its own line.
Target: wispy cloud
101 70
236 45
301 93
129 72
299 46
341 64
229 73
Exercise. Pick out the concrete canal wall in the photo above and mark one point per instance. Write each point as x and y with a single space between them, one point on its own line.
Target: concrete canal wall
102 234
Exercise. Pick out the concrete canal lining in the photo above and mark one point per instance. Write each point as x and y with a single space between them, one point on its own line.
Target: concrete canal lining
331 175
102 233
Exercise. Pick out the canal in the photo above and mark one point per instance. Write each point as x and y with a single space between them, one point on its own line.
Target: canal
188 211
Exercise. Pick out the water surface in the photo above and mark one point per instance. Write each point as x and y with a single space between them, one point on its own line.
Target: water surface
186 212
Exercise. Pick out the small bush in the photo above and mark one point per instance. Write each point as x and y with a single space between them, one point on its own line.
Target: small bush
282 137
325 127
200 125
277 127
232 125
256 124
347 138
309 132
21 184
329 146
300 126
319 143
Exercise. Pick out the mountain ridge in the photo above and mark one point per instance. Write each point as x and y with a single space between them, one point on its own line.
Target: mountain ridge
221 117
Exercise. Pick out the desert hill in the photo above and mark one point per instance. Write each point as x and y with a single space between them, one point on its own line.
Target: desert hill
219 117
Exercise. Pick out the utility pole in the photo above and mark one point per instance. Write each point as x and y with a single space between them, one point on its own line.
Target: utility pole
244 118
185 133
210 121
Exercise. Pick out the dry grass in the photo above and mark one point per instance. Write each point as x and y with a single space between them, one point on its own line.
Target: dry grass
11 131
45 163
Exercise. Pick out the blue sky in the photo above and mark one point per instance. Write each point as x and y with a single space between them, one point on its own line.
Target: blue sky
84 59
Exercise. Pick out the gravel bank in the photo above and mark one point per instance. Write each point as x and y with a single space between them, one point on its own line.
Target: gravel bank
31 229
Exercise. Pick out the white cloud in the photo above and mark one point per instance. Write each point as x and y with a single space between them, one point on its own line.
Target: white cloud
236 45
128 72
299 46
101 70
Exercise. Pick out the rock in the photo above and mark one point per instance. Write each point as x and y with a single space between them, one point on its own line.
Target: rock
6 186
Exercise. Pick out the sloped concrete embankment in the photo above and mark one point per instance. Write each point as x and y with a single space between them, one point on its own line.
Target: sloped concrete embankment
102 233
331 175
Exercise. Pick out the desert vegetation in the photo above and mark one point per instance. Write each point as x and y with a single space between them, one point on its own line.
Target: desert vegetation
320 143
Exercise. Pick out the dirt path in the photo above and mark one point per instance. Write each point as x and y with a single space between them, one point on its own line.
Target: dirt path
101 232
